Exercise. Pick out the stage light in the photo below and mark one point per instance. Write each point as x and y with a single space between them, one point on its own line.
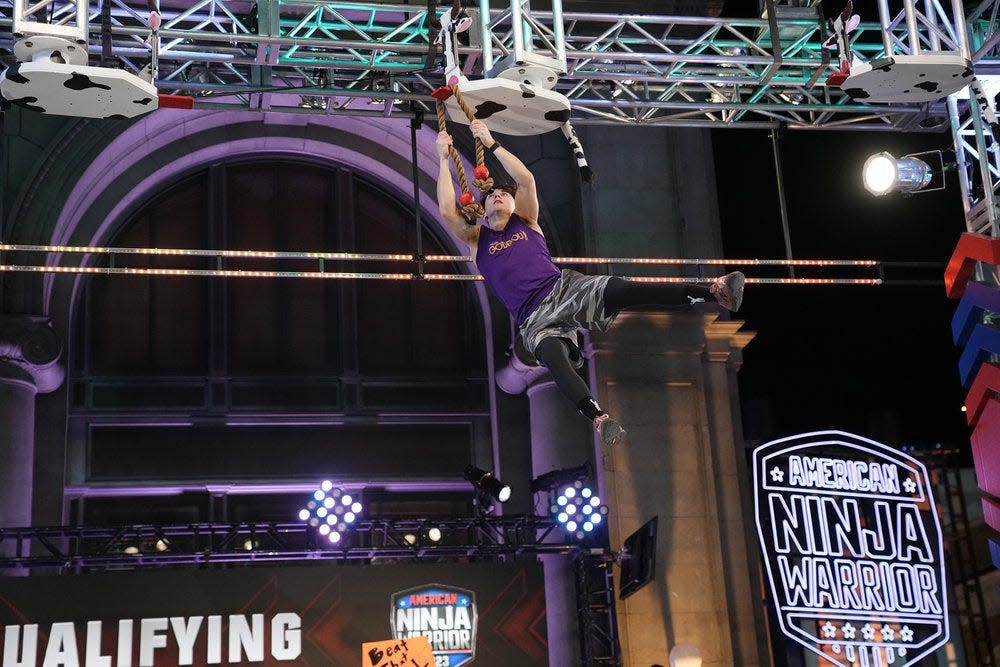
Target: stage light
577 509
883 174
422 536
485 482
331 511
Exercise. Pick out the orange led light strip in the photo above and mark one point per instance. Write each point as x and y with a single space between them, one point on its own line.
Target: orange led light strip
353 256
192 252
347 275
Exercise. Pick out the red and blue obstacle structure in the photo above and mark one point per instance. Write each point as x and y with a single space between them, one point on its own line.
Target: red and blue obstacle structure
980 375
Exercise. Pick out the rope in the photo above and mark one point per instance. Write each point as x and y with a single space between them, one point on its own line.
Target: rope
471 210
486 183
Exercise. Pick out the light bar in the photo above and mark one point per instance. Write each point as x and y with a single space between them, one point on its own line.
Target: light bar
347 275
715 262
214 273
760 281
194 252
350 256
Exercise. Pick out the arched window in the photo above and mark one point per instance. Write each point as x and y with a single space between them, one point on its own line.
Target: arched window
183 381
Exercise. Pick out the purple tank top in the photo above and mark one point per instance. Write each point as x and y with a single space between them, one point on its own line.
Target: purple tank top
517 266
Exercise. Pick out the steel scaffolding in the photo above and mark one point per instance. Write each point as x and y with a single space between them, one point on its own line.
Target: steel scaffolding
75 548
369 58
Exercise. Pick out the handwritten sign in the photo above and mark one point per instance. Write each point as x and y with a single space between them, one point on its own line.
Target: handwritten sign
410 652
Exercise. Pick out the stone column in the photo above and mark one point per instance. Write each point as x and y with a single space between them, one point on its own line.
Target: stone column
29 364
560 438
656 373
724 343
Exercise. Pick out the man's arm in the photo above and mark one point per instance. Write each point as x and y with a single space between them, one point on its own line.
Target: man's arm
526 200
446 196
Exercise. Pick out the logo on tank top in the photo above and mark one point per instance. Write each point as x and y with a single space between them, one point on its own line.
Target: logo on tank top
500 246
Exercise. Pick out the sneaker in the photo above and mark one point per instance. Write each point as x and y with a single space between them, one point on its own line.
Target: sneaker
611 431
728 290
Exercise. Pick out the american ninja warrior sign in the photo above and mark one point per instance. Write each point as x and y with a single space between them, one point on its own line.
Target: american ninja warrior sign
446 615
852 548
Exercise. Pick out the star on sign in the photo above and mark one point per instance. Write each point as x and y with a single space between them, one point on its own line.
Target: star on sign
777 474
909 485
868 631
849 631
829 630
906 634
888 634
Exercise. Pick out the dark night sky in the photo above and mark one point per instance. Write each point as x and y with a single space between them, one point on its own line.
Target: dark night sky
877 361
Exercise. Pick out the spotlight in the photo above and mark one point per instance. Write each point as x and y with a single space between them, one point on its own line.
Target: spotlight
331 511
485 482
884 173
577 509
422 536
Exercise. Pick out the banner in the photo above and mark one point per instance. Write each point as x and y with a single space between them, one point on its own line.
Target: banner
852 547
486 613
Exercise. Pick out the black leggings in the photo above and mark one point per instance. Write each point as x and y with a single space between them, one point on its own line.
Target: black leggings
554 353
621 295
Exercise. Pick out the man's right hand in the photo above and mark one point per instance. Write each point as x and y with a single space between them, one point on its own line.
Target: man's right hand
443 143
482 132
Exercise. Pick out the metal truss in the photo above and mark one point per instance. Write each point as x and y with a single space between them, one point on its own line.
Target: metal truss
977 155
87 548
367 58
382 540
595 605
978 167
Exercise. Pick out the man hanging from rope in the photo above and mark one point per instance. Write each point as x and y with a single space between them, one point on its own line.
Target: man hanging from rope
549 305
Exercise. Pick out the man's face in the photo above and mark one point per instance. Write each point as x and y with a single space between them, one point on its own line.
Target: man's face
499 198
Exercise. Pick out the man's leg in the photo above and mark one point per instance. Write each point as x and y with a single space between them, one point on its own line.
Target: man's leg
621 294
553 353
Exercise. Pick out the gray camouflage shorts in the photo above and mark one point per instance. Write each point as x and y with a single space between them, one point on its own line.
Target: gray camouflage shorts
576 301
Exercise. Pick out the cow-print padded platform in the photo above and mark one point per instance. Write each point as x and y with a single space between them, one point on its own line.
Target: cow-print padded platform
511 107
908 79
77 90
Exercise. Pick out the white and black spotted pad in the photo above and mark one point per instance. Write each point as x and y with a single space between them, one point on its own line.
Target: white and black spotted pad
77 90
511 107
908 79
